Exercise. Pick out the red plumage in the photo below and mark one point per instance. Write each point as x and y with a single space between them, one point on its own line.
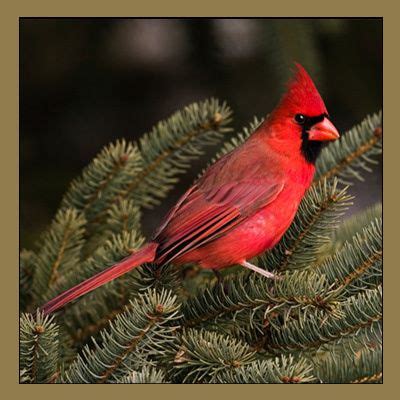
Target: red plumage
243 203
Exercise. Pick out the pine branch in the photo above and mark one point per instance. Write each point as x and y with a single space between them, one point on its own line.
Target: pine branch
353 153
59 252
168 149
203 355
88 317
348 346
123 217
355 224
249 291
317 327
279 370
38 348
144 332
104 179
347 366
27 261
146 375
318 215
358 264
67 349
152 276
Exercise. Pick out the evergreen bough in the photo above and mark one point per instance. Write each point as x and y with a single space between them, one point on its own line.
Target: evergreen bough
321 322
39 346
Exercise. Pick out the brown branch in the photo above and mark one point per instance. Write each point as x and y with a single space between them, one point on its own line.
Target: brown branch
352 156
53 270
81 334
369 379
316 301
361 269
318 343
129 349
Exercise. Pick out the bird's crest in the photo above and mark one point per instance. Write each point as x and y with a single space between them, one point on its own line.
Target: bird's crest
302 96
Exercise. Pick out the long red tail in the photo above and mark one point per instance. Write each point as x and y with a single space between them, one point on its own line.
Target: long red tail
145 254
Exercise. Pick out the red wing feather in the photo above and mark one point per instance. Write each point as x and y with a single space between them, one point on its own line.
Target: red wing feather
202 217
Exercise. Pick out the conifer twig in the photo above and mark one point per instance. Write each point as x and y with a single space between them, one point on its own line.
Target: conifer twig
354 152
143 332
39 346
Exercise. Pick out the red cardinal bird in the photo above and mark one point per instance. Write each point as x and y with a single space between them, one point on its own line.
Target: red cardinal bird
244 203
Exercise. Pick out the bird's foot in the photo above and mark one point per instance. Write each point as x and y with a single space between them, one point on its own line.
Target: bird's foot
259 270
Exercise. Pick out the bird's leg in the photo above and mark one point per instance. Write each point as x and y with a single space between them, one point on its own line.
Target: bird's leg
259 270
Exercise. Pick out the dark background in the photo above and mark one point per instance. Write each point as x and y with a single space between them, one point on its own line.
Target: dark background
86 82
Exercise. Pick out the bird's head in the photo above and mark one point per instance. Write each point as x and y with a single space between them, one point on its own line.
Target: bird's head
303 117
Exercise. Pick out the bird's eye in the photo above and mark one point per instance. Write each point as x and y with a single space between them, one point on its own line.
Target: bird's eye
300 118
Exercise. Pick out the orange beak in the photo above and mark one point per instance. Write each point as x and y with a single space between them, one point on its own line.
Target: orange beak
323 131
